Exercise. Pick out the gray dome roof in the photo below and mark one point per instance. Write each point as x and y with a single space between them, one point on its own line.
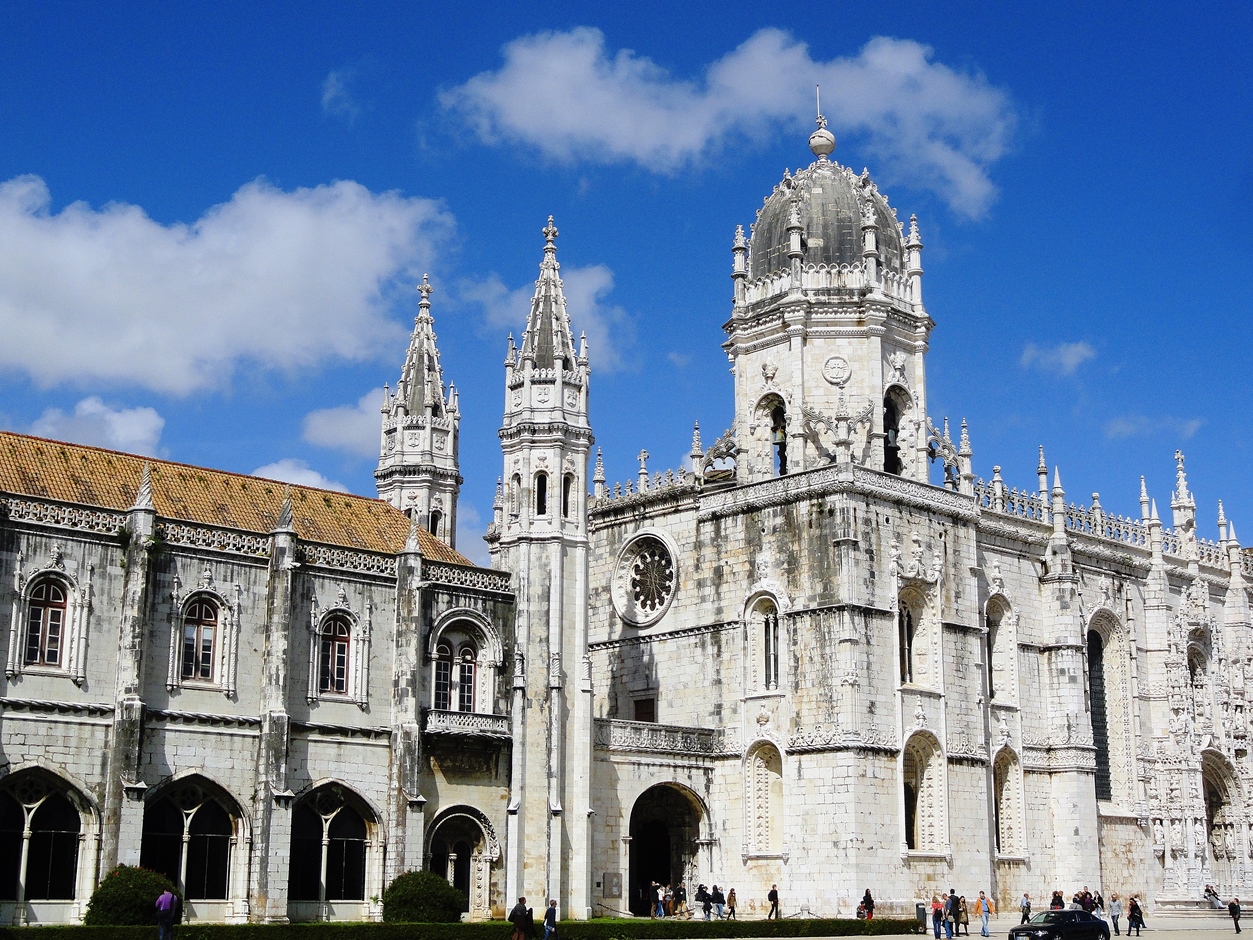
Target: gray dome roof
831 200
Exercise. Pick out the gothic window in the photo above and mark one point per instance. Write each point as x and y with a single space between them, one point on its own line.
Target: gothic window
46 624
923 782
778 437
455 677
567 491
765 800
891 437
999 651
40 829
769 627
200 635
189 836
1100 722
52 858
437 522
328 849
907 629
541 494
333 656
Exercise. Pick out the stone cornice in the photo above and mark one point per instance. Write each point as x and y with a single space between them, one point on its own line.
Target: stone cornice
646 636
58 707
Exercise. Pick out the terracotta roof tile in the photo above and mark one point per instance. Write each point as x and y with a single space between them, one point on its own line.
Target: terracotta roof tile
75 473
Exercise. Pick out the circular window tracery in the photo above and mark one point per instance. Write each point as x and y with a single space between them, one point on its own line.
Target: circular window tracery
644 581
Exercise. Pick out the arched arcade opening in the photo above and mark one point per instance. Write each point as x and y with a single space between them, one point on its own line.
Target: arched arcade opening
665 826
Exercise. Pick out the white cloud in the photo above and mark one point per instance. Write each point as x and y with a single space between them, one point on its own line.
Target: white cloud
337 100
1142 426
609 328
1063 359
280 280
289 470
470 531
565 94
354 429
134 430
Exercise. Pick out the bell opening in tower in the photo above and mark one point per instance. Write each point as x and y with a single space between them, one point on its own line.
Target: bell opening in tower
891 438
778 434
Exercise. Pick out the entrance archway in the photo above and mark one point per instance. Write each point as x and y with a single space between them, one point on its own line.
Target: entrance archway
461 846
665 824
1222 828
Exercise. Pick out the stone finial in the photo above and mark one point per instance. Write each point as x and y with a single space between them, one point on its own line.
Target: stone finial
1042 466
741 243
387 399
598 477
550 234
1181 493
821 141
915 237
643 459
425 289
285 518
143 499
1057 482
582 345
1144 499
1222 523
1153 512
964 447
1231 534
499 501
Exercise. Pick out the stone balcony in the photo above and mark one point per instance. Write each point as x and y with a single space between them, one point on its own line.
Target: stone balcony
467 724
645 736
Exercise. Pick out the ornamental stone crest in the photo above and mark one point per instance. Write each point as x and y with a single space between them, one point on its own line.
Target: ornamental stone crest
837 371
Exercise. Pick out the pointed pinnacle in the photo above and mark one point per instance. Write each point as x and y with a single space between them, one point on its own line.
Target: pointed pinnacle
1153 512
1222 518
1231 532
413 544
284 523
143 499
1043 467
1057 480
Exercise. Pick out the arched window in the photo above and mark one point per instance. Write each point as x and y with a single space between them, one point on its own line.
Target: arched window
567 491
778 437
45 624
437 522
328 849
465 679
52 859
765 800
891 437
906 628
443 677
994 617
541 494
770 645
187 837
12 825
923 781
1100 721
455 677
333 658
200 634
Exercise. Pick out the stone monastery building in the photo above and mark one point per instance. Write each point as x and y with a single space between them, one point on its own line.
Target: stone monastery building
799 661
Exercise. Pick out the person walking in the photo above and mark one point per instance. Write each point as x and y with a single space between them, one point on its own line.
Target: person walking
731 904
659 896
167 914
985 910
1115 912
1135 917
963 916
523 920
703 899
867 903
773 898
937 914
719 901
1025 906
950 914
550 920
680 900
1234 910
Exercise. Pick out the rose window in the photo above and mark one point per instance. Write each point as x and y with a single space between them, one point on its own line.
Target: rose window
644 580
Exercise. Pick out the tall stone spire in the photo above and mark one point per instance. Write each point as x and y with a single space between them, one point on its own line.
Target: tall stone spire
548 337
417 471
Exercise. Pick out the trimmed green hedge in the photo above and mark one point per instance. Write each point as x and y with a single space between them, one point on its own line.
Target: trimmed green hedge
422 897
639 929
126 896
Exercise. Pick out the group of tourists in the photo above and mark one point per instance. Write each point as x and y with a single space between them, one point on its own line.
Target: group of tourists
523 920
714 904
951 912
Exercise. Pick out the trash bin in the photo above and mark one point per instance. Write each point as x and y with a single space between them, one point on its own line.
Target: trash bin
920 912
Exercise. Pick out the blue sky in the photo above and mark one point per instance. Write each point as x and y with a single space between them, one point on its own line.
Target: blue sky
212 217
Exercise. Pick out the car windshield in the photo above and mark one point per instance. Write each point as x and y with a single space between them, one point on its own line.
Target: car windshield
1049 917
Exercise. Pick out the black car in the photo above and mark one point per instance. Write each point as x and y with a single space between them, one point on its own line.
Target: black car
1061 925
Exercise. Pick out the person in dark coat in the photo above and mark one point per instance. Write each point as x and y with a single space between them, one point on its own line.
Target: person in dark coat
773 898
867 903
523 920
1234 910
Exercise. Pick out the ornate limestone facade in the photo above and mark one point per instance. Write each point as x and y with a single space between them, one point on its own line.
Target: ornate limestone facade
796 660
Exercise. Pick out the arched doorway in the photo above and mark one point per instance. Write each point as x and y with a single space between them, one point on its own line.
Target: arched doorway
1222 818
461 847
665 824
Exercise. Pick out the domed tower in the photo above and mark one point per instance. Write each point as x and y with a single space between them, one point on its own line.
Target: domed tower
417 471
829 333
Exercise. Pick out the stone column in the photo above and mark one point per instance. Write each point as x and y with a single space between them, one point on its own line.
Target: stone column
408 833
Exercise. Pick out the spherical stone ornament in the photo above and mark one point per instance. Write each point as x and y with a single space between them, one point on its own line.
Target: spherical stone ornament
644 580
836 370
